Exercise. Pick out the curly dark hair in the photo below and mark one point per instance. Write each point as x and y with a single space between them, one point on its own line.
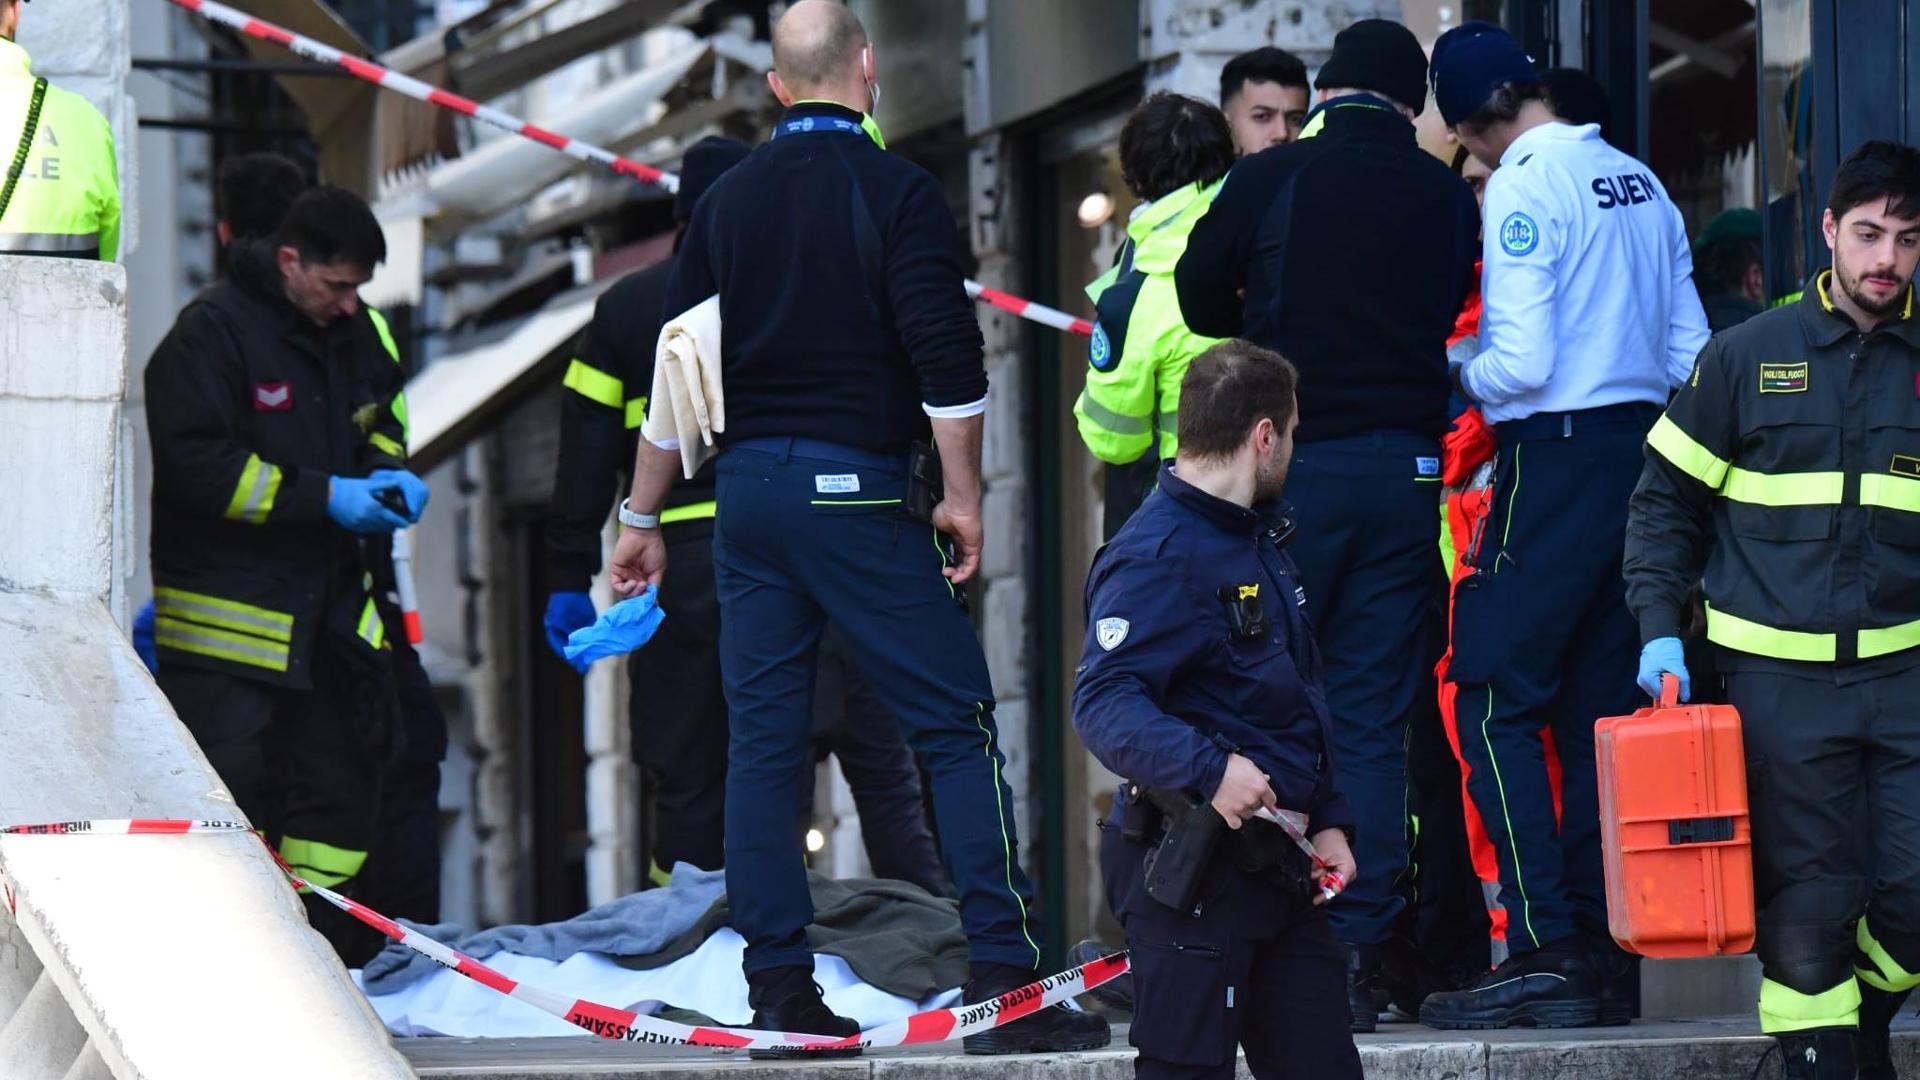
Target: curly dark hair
1171 141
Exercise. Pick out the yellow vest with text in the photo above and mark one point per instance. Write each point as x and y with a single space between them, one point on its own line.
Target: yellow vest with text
67 203
1141 345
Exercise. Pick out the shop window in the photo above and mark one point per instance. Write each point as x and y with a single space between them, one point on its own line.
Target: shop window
1703 141
1786 112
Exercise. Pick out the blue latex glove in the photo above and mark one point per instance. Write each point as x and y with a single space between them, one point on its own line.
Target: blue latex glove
143 638
355 504
413 489
1664 655
620 629
567 612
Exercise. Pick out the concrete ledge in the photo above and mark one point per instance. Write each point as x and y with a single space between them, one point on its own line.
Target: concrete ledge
182 958
1695 1050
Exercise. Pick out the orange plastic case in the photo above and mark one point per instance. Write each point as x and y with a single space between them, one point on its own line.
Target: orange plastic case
1674 828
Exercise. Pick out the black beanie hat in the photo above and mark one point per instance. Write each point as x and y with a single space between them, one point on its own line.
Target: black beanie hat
1378 55
704 163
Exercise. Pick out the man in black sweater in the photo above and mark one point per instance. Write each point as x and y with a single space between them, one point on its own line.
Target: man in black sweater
678 709
847 336
1353 249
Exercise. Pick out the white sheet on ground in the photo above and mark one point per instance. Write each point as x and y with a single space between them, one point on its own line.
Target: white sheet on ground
708 981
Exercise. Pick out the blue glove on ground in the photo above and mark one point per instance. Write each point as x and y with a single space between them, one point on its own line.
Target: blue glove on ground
355 504
413 489
567 612
143 638
620 629
1664 655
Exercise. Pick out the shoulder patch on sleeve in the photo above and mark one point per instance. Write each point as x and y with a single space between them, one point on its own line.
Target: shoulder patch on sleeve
1111 632
1519 235
1100 350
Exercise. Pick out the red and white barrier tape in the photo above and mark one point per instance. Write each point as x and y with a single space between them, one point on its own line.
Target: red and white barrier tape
934 1025
389 79
403 584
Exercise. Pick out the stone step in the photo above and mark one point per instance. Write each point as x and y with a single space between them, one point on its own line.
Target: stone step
1711 1049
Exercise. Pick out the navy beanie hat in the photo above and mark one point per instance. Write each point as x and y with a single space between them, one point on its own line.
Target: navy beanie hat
1470 62
704 163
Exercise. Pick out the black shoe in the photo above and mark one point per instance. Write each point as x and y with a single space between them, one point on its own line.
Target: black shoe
1408 977
1363 971
1116 993
1551 987
1875 1044
1619 975
1819 1054
1050 1031
787 999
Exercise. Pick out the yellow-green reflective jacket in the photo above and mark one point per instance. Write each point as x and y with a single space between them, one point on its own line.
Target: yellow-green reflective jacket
67 202
1141 345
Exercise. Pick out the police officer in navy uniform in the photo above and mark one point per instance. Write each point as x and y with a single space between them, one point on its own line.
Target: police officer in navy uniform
847 337
1200 680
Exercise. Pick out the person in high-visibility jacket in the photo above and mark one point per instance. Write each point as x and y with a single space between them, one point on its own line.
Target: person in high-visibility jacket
66 200
1173 152
1787 473
263 403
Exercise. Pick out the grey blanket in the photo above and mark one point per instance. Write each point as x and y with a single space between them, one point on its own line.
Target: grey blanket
638 924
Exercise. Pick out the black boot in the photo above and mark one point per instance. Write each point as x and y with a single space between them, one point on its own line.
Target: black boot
1619 974
1818 1054
1116 993
1050 1031
1408 976
1552 987
1363 971
1875 1046
787 999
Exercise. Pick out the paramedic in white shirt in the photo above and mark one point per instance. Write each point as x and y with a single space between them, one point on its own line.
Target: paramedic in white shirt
1591 321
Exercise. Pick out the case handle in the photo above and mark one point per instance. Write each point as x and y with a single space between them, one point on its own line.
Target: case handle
1669 690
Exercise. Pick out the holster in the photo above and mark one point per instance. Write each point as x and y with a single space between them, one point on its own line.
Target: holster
1177 865
1185 832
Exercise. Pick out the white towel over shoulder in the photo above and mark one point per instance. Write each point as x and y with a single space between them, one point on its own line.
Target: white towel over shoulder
688 403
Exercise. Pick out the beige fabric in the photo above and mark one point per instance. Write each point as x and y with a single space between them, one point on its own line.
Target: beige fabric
686 379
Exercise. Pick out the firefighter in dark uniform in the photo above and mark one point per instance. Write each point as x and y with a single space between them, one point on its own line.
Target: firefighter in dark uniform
263 403
1200 683
677 710
252 193
1787 471
678 707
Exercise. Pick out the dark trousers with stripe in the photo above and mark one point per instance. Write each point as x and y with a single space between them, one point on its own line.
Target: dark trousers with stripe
808 532
678 709
1826 757
1368 549
1542 641
678 714
303 765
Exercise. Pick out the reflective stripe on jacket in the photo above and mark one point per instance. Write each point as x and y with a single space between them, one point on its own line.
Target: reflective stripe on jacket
1788 469
251 410
67 202
1141 345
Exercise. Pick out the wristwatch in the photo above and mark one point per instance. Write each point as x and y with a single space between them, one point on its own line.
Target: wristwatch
633 520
